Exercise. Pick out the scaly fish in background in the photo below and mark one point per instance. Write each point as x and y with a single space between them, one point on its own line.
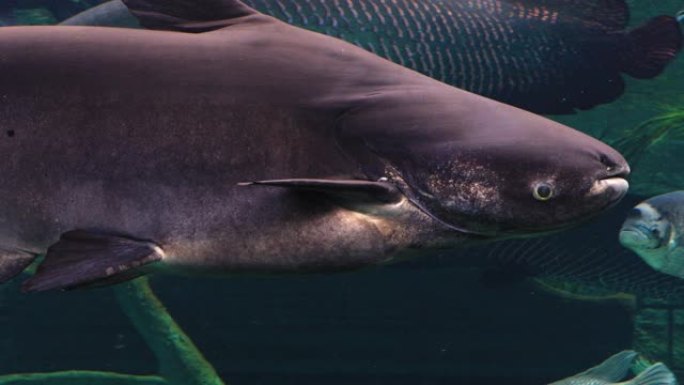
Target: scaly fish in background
585 260
546 56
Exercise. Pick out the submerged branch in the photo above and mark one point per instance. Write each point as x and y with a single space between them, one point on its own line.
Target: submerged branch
180 362
80 377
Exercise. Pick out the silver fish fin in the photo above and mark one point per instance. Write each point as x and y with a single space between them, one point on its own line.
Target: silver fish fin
13 262
657 374
188 16
361 191
83 258
613 369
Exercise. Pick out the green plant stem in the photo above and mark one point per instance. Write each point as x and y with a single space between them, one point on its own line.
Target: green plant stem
80 377
180 362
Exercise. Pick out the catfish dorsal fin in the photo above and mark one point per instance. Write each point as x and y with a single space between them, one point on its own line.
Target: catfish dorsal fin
188 16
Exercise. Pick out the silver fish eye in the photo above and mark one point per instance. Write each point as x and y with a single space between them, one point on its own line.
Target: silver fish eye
542 191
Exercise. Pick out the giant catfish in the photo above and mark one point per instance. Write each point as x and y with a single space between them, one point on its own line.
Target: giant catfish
227 141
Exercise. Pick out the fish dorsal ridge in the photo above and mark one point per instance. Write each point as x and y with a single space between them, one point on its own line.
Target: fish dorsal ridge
613 369
191 16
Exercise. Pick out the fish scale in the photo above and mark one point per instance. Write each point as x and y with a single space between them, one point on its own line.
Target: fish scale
585 260
423 41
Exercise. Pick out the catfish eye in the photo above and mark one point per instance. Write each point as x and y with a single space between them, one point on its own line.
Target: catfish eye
542 192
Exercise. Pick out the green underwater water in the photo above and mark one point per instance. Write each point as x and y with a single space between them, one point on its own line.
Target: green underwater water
660 167
39 12
409 324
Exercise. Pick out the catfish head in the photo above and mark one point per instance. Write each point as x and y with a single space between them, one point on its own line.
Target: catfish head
482 167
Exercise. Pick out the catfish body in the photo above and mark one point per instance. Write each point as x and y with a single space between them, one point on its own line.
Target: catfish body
546 56
160 151
131 151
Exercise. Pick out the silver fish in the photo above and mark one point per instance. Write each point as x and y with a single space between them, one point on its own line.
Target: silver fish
653 230
615 369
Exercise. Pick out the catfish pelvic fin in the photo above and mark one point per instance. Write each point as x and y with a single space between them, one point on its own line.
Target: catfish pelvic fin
188 16
82 258
349 189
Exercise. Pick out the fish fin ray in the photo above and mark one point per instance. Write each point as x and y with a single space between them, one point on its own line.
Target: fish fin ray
657 374
614 368
188 16
113 280
13 262
651 47
83 258
356 190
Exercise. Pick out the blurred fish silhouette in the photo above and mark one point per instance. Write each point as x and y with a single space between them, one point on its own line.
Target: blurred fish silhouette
546 56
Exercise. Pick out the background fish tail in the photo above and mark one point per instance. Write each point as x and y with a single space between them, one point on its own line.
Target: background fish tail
649 48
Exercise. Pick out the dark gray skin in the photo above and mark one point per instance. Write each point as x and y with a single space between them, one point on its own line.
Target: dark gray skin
141 139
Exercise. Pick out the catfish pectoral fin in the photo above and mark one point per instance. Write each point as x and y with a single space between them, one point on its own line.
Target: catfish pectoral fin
13 262
349 189
82 258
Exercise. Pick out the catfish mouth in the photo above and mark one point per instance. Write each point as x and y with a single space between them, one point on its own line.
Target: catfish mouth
615 188
613 185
